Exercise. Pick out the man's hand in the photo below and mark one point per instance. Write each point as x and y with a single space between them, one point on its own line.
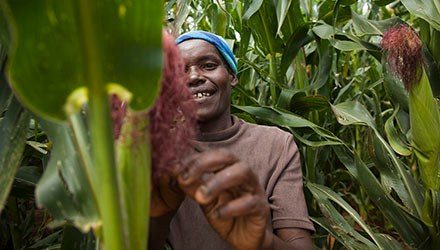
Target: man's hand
230 195
166 196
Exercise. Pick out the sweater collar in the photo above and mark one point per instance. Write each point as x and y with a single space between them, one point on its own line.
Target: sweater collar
221 135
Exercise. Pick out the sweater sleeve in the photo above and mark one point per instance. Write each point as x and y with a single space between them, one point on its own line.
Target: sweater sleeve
285 190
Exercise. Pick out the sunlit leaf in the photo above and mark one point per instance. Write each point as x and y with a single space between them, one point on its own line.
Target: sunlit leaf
424 116
252 9
364 26
282 8
349 113
111 39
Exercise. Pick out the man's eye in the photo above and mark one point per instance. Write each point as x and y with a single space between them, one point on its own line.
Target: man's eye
209 66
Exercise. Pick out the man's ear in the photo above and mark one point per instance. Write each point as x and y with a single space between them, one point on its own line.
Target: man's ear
234 79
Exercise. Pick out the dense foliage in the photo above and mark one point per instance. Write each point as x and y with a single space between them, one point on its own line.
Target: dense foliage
370 149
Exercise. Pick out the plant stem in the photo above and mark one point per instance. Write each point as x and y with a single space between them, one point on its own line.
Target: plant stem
273 77
109 202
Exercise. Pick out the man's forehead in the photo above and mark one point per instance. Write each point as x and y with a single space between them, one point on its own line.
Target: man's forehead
198 47
195 44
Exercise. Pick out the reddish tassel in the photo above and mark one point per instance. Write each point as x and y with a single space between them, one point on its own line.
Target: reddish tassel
173 116
404 54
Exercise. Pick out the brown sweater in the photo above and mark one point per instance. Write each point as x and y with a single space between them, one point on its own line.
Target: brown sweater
273 155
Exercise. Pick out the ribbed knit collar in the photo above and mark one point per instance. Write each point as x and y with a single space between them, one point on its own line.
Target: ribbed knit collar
223 134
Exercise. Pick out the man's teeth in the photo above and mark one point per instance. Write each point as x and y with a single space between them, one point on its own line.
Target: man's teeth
200 95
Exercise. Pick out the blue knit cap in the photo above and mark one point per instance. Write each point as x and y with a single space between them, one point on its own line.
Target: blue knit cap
215 40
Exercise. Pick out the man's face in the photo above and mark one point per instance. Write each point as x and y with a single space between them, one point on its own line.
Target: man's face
209 79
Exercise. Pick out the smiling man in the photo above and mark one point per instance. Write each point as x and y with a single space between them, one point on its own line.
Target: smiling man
242 188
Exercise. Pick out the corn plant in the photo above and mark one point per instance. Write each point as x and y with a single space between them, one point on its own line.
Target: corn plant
64 57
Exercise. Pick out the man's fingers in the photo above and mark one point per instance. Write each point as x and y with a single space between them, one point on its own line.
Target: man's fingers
248 204
197 165
235 179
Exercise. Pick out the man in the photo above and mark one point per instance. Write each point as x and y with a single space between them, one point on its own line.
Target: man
243 185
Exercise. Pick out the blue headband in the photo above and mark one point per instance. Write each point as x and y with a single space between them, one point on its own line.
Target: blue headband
215 40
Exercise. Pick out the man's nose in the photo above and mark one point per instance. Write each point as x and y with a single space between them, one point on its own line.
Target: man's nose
195 77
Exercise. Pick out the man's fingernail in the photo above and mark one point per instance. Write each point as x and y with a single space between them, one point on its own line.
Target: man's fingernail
204 190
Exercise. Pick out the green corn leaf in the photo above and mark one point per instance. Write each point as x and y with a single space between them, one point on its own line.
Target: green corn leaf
324 195
350 113
424 117
390 176
287 96
325 224
183 9
294 44
395 90
282 10
328 32
219 19
332 12
429 10
294 19
252 9
64 189
325 52
13 128
263 25
364 26
56 45
301 79
395 137
411 229
344 41
289 120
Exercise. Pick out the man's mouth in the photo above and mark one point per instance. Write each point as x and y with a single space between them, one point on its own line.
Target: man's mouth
199 95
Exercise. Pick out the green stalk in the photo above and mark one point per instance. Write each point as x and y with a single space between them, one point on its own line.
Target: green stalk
109 204
134 163
273 77
110 207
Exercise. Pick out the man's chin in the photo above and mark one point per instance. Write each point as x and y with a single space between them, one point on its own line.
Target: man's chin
203 117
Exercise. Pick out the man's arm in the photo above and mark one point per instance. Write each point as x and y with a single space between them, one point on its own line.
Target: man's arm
289 239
